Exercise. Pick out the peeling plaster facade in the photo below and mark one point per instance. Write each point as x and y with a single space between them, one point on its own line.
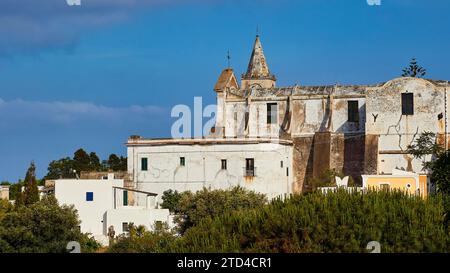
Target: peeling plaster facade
354 129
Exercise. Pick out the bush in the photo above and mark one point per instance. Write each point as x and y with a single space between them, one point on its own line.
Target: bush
139 240
171 200
333 222
42 227
441 173
192 208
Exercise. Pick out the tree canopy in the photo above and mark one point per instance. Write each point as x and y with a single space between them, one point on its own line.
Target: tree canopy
414 70
41 227
441 173
30 193
82 161
191 208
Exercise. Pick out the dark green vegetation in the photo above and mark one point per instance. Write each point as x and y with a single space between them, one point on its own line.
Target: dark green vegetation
139 240
438 165
336 222
41 227
314 222
414 70
192 208
69 168
82 161
30 194
441 173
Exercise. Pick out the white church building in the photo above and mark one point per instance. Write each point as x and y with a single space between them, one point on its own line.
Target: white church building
273 139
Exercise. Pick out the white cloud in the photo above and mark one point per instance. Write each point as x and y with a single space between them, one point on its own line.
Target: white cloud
67 112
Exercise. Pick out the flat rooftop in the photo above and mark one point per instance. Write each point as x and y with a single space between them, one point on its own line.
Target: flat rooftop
139 141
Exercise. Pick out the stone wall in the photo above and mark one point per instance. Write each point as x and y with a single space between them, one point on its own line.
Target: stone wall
303 158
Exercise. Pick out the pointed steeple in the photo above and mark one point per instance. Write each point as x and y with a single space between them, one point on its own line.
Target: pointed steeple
258 70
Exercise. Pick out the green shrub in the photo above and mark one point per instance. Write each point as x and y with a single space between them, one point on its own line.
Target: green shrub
139 240
333 222
192 208
171 200
42 227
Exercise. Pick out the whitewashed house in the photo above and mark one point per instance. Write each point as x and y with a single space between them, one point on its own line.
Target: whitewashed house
103 203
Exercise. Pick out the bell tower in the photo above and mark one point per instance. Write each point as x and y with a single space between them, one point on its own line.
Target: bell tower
258 72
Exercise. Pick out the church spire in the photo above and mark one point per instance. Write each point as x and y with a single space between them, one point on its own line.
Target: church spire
258 70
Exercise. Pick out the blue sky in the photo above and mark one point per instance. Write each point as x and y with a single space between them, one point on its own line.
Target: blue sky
92 75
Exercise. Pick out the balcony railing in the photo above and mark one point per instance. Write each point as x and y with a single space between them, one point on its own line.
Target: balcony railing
249 172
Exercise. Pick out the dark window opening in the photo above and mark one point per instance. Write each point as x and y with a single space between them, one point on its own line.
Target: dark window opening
125 198
287 171
182 161
144 164
125 227
281 163
353 111
89 196
408 104
271 113
224 164
249 167
246 117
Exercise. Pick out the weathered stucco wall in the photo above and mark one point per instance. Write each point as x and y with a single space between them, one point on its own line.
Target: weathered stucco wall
203 167
397 131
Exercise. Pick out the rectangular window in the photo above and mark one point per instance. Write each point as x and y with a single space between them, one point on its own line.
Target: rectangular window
125 198
89 196
281 163
353 111
287 171
408 104
125 227
249 167
224 164
144 164
246 117
272 113
182 161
